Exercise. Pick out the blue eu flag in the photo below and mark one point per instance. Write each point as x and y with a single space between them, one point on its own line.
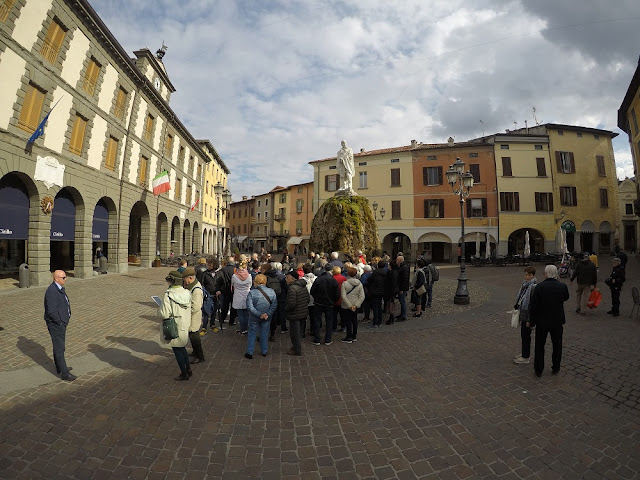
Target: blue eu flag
40 130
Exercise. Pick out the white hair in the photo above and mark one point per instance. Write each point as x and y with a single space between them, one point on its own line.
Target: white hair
276 266
334 255
367 268
551 271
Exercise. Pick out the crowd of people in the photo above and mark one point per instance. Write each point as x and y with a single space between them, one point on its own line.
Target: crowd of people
260 296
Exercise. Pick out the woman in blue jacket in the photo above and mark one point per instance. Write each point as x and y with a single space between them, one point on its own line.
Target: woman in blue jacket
261 303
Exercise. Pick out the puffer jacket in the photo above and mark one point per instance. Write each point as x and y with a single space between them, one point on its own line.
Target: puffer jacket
240 285
257 304
404 274
310 278
296 305
377 281
352 293
325 290
177 300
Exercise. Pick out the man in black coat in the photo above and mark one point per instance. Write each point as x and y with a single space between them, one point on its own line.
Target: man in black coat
546 313
325 293
376 287
402 286
223 290
57 312
296 308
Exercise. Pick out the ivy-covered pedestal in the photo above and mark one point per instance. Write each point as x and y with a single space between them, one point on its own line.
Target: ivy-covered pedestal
344 224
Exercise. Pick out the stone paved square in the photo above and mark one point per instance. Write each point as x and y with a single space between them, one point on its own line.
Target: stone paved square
435 397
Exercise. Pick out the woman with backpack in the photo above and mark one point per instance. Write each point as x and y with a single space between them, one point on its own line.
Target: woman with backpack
240 285
261 303
421 284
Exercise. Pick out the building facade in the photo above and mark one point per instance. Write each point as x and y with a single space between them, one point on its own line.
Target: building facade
241 220
628 233
300 217
214 209
628 120
87 181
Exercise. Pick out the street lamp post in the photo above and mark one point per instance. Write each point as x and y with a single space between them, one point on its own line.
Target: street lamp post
217 190
464 181
226 198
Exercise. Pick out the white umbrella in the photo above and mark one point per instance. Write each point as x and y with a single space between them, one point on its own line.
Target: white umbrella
527 247
487 252
477 244
563 237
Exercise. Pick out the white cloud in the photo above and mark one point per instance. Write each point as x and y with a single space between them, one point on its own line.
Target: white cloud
277 85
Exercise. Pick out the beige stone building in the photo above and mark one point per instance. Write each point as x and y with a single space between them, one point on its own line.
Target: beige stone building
87 181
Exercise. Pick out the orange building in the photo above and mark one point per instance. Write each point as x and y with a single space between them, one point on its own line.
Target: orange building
300 217
437 208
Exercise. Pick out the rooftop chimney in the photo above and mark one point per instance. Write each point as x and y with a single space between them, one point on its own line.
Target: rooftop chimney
244 197
362 150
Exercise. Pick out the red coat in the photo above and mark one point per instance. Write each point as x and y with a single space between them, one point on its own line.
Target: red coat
340 279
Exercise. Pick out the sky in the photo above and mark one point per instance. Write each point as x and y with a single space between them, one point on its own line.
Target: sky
277 84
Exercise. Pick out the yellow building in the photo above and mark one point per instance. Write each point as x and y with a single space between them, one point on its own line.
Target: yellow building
628 227
585 184
385 177
279 227
628 118
525 193
214 209
300 217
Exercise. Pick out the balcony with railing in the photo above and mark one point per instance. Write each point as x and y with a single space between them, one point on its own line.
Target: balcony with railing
281 217
283 233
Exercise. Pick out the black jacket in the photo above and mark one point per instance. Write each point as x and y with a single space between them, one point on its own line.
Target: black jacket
619 276
586 272
57 308
376 282
404 272
223 278
207 280
546 307
297 303
325 290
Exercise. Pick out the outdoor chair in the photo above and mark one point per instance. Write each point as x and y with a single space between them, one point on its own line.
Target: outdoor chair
636 300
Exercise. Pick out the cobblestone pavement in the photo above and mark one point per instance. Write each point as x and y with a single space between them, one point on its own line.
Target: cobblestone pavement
435 397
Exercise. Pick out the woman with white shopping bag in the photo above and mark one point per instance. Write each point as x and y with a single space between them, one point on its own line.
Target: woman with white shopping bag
521 311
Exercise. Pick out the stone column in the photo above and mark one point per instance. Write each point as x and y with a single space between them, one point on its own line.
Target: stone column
413 252
120 254
147 241
83 259
39 246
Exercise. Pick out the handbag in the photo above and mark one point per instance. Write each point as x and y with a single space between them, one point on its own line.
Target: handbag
594 299
170 326
515 318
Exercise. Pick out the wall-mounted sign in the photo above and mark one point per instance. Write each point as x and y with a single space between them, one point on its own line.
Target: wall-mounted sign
49 171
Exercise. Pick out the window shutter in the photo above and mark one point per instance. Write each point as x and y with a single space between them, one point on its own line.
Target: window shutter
484 207
441 208
468 201
506 167
537 201
559 161
600 162
7 5
91 77
440 176
426 208
52 42
516 199
425 176
575 196
542 171
31 109
326 183
573 162
112 150
77 135
550 196
503 199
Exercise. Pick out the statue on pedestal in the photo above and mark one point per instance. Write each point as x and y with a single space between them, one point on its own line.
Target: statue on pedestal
346 169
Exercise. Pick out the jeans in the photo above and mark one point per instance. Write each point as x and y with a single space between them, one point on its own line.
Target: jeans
428 296
243 319
402 296
556 341
58 333
225 302
182 357
196 343
376 308
317 323
254 324
210 319
351 319
294 333
525 334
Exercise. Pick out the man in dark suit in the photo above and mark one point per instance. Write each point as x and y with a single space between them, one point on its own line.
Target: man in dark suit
57 311
546 313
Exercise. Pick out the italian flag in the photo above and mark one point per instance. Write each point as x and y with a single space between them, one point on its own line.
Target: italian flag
195 204
161 183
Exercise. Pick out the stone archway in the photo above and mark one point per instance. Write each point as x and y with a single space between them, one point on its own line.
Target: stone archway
196 246
176 237
104 230
162 235
397 242
205 236
14 223
139 236
186 238
70 248
516 241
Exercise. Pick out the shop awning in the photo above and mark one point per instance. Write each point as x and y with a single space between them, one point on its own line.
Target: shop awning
100 232
294 241
241 238
568 226
14 212
63 218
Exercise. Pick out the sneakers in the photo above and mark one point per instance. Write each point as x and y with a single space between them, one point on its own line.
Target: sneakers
347 340
316 343
520 360
215 329
328 343
284 330
203 332
244 332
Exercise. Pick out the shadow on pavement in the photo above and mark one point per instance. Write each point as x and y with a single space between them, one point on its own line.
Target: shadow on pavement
148 304
118 358
35 351
148 347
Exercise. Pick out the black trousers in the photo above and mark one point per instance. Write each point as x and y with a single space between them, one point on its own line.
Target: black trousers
525 334
556 341
294 332
615 300
351 320
58 333
196 343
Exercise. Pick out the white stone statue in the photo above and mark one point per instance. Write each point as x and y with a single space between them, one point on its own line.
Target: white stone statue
346 168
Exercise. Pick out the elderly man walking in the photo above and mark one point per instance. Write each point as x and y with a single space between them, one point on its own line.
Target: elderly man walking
57 312
546 313
587 275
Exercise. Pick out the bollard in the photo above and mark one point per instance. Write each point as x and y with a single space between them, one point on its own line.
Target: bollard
24 275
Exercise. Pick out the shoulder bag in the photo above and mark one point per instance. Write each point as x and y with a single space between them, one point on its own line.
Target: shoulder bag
169 325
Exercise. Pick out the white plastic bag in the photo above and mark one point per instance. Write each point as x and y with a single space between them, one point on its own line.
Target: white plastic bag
515 318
